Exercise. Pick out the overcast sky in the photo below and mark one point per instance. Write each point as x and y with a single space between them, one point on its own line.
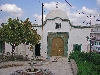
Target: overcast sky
32 9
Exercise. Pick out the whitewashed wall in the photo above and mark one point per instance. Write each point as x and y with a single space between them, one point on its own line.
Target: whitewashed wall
20 49
78 36
8 48
50 27
28 52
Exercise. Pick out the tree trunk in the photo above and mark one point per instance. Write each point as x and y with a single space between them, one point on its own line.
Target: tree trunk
13 48
25 49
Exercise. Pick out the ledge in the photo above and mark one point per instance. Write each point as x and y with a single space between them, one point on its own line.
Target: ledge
74 66
12 64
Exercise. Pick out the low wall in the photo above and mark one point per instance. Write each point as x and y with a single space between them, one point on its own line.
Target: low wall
13 63
74 66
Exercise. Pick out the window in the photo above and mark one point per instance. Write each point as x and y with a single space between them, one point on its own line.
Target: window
76 47
95 43
58 26
98 48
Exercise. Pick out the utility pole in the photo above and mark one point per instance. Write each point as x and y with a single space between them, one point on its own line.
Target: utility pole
89 38
42 16
90 49
42 26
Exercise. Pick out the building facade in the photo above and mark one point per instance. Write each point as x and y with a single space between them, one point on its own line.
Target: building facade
59 37
95 34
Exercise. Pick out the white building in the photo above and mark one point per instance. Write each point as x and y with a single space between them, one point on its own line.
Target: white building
59 37
95 33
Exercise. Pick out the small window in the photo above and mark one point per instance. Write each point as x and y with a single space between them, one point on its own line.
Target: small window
98 48
95 43
99 43
58 26
76 47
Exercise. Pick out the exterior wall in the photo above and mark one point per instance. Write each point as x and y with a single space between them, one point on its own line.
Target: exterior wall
78 36
8 48
21 49
96 33
28 52
50 27
98 29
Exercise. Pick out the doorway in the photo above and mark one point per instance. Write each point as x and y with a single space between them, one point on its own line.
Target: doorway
57 47
37 50
2 47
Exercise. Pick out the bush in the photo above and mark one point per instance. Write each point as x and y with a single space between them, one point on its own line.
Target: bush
85 67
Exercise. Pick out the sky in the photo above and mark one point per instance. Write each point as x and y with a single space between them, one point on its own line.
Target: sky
79 13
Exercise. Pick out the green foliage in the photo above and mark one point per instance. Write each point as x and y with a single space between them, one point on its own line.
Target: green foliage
85 67
16 32
30 35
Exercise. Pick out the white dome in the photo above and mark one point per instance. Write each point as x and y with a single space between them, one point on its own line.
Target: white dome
56 13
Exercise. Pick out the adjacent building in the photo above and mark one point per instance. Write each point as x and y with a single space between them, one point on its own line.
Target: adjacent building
95 34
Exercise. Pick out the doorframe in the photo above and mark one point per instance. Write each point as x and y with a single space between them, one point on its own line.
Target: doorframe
63 35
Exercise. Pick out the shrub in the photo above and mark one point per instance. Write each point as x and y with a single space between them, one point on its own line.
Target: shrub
85 67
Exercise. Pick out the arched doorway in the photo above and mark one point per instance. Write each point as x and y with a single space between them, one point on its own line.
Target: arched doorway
57 48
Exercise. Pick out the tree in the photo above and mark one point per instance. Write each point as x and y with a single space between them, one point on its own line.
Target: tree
31 35
15 32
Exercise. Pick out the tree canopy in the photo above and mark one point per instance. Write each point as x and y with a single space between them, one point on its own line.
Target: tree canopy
17 32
